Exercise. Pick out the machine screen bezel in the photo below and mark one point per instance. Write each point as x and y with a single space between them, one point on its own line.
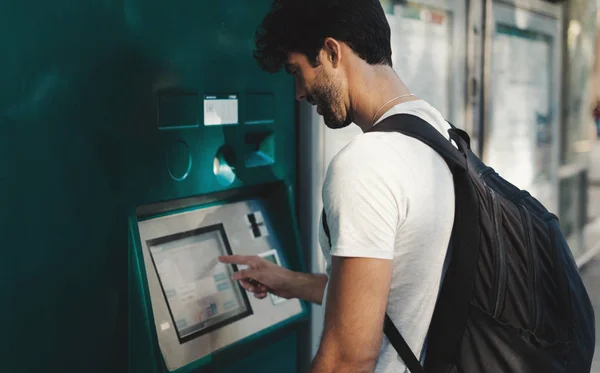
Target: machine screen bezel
196 232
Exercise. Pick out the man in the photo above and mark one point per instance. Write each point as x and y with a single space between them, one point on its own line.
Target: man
388 198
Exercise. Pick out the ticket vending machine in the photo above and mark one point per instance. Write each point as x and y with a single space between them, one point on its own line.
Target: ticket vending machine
429 53
196 318
210 171
521 136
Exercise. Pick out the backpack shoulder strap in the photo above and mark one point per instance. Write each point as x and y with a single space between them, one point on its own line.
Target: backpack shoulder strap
416 127
452 308
401 347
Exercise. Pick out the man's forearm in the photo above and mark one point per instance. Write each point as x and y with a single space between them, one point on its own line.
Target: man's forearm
334 363
309 287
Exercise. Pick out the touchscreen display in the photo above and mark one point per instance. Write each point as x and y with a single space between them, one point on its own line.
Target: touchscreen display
198 288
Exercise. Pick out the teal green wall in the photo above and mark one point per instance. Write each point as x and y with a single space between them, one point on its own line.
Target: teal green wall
80 149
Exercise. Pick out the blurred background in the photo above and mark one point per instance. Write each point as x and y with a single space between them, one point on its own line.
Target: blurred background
114 113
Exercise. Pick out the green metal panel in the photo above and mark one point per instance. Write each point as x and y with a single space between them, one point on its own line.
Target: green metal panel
278 356
65 94
86 85
199 48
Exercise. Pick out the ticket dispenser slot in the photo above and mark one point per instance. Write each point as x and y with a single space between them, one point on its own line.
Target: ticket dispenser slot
198 309
260 148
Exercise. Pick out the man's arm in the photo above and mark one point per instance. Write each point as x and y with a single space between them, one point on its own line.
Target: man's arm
309 287
277 280
354 315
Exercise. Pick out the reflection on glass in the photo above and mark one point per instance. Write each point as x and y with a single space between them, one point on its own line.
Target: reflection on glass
421 45
520 140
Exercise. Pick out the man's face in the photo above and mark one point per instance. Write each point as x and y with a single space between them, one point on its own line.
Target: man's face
320 86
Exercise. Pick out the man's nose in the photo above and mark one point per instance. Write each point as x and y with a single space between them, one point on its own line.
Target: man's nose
300 93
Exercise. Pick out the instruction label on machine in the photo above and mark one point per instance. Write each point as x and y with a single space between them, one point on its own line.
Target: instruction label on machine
220 110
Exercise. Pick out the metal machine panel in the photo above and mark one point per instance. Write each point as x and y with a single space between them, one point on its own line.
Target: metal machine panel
197 308
521 138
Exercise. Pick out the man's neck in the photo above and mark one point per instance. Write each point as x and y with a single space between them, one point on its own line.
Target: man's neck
371 90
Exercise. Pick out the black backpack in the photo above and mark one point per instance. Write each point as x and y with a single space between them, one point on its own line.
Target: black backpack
512 300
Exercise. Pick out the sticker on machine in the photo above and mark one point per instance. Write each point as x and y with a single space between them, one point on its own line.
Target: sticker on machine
257 225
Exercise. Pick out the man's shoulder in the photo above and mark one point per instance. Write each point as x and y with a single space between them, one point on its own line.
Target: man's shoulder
368 150
369 162
379 150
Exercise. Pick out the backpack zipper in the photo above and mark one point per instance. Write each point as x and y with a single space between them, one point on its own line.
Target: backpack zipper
533 260
499 255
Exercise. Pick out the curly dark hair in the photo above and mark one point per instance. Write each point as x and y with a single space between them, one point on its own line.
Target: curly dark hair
303 25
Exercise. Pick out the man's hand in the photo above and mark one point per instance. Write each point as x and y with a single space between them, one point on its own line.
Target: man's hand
275 279
270 277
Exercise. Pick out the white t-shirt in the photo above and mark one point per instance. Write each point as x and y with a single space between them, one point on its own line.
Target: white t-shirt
390 196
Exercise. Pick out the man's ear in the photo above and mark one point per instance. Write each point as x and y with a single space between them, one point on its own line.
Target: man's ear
333 51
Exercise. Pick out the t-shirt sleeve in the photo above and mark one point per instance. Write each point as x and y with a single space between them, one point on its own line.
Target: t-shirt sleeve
365 202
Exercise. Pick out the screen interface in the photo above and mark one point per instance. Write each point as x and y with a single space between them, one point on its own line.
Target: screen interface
198 288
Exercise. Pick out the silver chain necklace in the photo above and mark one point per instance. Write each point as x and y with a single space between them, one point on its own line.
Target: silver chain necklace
382 106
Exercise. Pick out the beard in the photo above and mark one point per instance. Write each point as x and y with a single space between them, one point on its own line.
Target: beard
334 120
329 99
